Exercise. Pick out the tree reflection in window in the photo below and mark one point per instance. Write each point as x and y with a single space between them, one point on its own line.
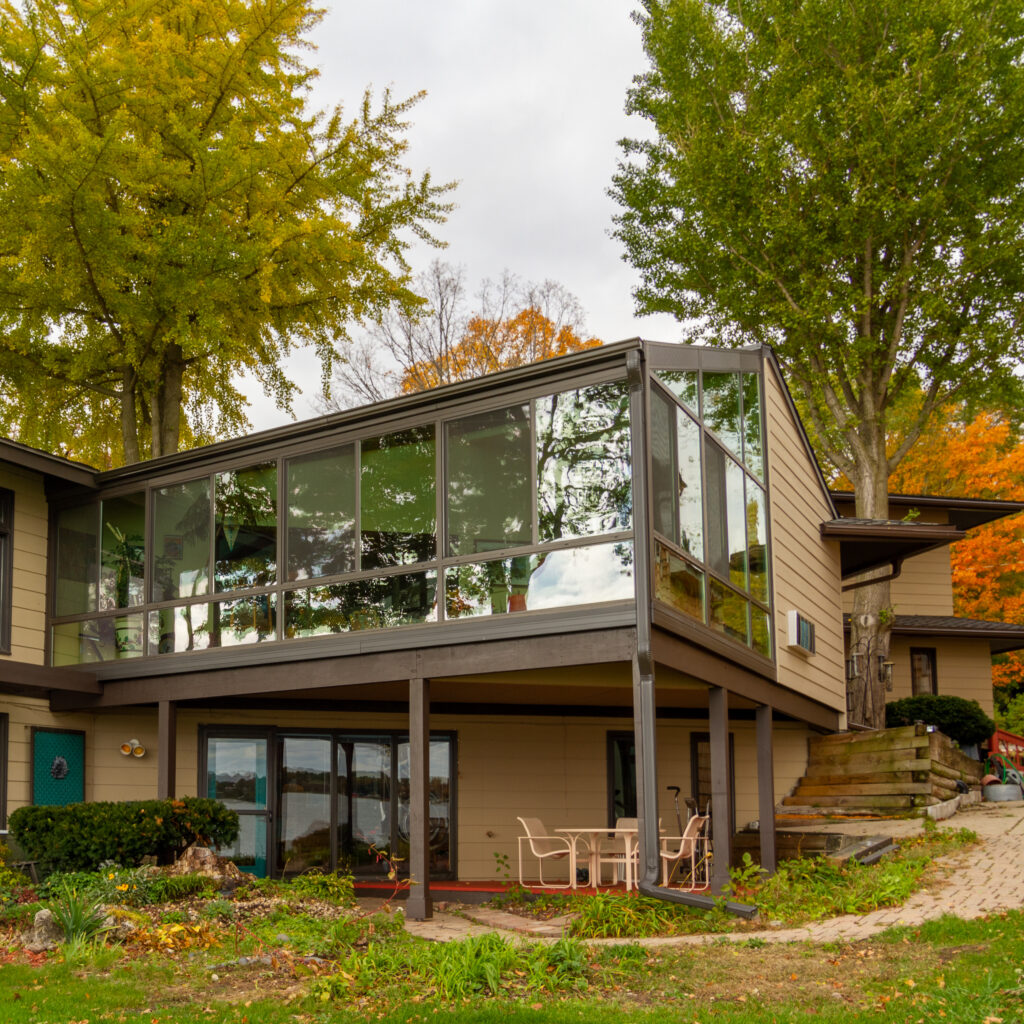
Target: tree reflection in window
246 527
322 513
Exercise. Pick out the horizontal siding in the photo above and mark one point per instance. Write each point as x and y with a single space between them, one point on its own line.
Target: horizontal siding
28 620
805 567
963 668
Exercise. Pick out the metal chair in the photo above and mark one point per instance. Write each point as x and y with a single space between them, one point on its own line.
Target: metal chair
692 846
543 847
619 851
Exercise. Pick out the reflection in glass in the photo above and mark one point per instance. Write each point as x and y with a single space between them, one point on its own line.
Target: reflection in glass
691 507
181 540
123 551
379 603
678 583
761 637
552 579
76 560
722 408
728 611
397 498
80 643
439 837
179 629
246 620
304 792
753 451
246 527
757 540
717 509
322 513
583 462
737 526
683 384
664 474
236 774
489 498
364 802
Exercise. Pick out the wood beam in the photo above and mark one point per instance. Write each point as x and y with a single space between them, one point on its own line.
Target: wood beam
167 748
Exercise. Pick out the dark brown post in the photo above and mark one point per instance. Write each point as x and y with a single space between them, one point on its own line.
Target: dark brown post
765 787
721 798
420 906
166 746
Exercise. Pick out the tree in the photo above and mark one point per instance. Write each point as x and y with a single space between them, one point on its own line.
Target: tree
171 213
843 182
984 458
516 323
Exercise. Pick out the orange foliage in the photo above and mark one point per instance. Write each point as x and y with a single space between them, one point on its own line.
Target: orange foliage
981 459
491 345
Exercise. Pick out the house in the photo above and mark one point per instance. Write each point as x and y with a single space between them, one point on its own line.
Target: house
558 590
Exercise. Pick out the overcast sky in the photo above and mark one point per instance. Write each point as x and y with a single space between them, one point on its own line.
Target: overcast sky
524 109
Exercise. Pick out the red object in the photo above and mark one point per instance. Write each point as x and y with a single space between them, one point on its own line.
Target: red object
1010 746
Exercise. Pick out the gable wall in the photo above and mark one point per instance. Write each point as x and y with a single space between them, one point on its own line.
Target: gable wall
963 667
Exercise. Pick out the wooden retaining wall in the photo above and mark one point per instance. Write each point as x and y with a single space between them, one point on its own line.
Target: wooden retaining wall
888 771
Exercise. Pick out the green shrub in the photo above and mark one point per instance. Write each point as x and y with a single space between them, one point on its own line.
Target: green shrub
167 888
329 886
80 837
961 720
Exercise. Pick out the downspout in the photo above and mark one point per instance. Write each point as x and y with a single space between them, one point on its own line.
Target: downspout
644 706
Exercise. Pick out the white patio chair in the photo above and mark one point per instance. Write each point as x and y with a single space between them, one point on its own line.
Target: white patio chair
691 846
612 850
543 847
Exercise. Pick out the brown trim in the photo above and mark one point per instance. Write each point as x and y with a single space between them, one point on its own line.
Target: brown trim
766 788
6 568
38 461
963 513
4 766
703 636
167 749
420 906
691 660
42 680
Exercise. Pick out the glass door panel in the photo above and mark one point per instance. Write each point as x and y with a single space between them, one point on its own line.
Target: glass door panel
304 804
236 774
364 802
440 806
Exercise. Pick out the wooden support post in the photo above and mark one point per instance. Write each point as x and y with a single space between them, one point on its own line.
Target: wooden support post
766 787
420 906
721 798
166 746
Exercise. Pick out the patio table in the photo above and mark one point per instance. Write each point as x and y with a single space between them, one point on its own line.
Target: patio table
592 837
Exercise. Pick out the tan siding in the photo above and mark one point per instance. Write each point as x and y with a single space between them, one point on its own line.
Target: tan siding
963 668
923 587
28 628
805 568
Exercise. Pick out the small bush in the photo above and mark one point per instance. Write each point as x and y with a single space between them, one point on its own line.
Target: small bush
961 720
329 886
80 837
80 915
167 888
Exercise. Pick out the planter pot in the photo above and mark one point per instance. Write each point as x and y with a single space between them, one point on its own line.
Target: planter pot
998 791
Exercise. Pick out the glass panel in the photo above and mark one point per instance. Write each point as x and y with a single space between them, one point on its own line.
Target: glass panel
757 540
717 537
249 850
489 497
246 528
247 620
123 552
737 524
397 498
683 384
664 474
440 805
583 468
322 514
364 802
399 600
76 560
678 583
760 631
181 540
304 792
622 750
236 772
78 643
554 579
722 408
753 451
728 611
691 508
179 629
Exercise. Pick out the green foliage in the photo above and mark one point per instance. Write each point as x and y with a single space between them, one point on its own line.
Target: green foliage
81 915
168 888
348 933
961 720
330 886
614 915
80 837
1010 716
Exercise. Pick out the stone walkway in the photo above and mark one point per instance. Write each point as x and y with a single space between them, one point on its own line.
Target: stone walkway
980 880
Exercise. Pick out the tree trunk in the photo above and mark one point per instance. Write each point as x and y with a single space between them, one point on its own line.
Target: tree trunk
165 405
871 622
129 418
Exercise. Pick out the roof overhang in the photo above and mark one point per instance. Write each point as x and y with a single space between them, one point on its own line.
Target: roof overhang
43 681
16 454
963 513
866 544
1002 637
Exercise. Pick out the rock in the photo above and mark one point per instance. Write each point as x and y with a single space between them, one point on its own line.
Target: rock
44 934
200 860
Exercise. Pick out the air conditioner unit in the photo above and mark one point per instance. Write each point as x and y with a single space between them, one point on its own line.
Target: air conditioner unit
800 633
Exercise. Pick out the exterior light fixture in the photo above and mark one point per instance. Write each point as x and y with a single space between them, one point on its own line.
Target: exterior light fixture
133 748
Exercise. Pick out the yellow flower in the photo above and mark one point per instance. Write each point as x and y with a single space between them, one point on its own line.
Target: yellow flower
123 888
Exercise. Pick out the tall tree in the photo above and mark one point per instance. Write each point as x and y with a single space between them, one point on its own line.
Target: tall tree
171 213
514 323
841 180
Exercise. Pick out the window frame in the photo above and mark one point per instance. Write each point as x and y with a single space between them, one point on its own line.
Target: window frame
931 654
6 571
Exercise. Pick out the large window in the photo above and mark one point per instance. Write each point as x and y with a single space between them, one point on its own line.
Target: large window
6 576
710 505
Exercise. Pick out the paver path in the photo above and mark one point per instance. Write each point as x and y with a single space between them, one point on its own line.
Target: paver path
982 880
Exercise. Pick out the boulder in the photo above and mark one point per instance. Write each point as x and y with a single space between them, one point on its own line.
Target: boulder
200 860
44 934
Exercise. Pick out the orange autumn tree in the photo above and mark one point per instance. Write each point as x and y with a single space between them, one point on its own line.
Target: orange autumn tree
490 345
980 458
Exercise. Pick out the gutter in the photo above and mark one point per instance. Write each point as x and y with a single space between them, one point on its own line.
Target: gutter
644 707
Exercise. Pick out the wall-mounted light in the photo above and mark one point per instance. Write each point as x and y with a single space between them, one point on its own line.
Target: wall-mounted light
133 748
853 665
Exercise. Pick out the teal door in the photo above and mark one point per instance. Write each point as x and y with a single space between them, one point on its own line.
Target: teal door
236 774
58 767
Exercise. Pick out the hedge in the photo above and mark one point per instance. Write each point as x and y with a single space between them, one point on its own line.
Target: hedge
80 837
961 720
